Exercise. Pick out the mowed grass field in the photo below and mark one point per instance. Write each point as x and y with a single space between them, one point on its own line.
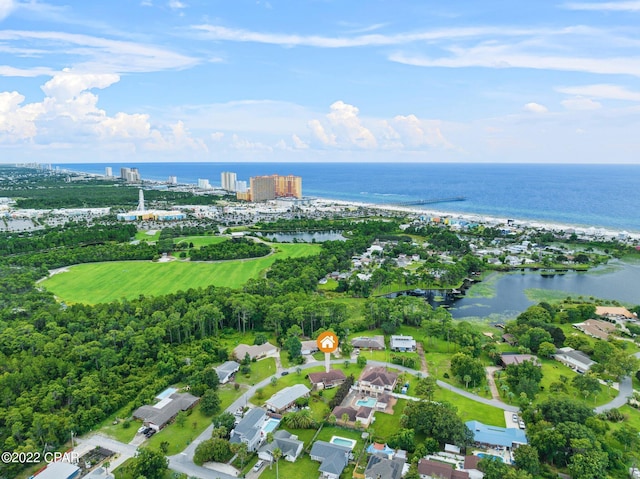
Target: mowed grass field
94 283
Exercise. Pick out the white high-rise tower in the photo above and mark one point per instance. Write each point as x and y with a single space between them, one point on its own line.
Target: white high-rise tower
141 201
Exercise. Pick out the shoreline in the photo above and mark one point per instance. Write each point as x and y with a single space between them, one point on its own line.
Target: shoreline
494 220
583 229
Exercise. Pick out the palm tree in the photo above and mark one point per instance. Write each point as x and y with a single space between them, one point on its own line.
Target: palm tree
276 454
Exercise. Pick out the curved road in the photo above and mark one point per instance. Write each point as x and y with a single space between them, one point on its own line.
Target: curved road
183 462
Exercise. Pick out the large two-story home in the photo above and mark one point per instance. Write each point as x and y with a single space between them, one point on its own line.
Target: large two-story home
249 430
376 380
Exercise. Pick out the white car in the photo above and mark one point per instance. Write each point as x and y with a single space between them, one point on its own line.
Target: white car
521 424
258 465
514 417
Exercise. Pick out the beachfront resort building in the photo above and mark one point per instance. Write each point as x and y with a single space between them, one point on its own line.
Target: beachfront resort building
264 188
228 181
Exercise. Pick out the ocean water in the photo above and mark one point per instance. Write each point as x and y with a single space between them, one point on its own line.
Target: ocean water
588 195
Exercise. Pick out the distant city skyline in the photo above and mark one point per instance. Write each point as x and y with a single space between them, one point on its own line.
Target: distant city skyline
319 81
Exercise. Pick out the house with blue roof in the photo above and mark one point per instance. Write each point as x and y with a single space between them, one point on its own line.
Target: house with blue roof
494 436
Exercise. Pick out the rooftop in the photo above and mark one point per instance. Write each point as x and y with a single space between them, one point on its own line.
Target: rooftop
496 436
286 396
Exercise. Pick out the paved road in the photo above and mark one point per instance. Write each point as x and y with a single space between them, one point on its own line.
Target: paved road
625 390
183 462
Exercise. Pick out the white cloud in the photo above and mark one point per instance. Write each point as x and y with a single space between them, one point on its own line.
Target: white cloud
319 133
176 5
95 54
342 128
298 143
6 7
239 143
16 122
217 32
629 6
217 136
508 56
581 104
536 108
66 85
605 91
347 127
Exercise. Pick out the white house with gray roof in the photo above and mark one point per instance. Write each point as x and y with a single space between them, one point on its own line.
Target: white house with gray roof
249 430
226 371
285 398
288 443
576 360
333 458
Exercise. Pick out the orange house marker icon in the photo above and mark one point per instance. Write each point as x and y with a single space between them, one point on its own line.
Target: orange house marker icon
327 342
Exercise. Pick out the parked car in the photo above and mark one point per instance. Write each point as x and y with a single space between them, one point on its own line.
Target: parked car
142 429
150 433
521 424
514 417
284 373
258 465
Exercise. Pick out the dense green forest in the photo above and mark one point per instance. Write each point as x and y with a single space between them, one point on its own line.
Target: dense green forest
231 249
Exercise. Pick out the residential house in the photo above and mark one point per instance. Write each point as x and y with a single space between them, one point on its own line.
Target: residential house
439 470
384 400
309 347
576 360
249 429
494 436
510 339
381 450
60 470
369 342
226 371
255 351
596 328
327 380
403 343
164 411
471 467
286 398
376 380
289 444
332 458
340 411
510 358
614 312
364 416
380 467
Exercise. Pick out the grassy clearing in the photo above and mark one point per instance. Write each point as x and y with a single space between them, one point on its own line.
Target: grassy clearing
199 241
468 409
259 370
94 283
144 236
387 425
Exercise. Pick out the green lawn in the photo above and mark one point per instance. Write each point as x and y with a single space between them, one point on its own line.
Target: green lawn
469 410
143 236
199 241
94 283
386 425
259 370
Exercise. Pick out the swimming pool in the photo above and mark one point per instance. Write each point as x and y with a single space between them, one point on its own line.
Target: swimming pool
166 393
343 441
270 425
490 456
369 402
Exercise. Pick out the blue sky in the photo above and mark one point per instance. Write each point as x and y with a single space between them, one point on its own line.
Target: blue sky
320 80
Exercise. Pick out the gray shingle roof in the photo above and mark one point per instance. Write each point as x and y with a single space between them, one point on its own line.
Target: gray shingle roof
160 416
381 467
287 395
334 457
282 439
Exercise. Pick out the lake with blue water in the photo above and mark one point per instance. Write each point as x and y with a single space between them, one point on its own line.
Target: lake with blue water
602 196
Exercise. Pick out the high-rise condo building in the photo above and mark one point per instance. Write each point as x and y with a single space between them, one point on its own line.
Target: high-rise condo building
228 180
131 175
108 172
203 183
263 188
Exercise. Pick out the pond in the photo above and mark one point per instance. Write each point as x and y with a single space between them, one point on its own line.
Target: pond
304 236
615 281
